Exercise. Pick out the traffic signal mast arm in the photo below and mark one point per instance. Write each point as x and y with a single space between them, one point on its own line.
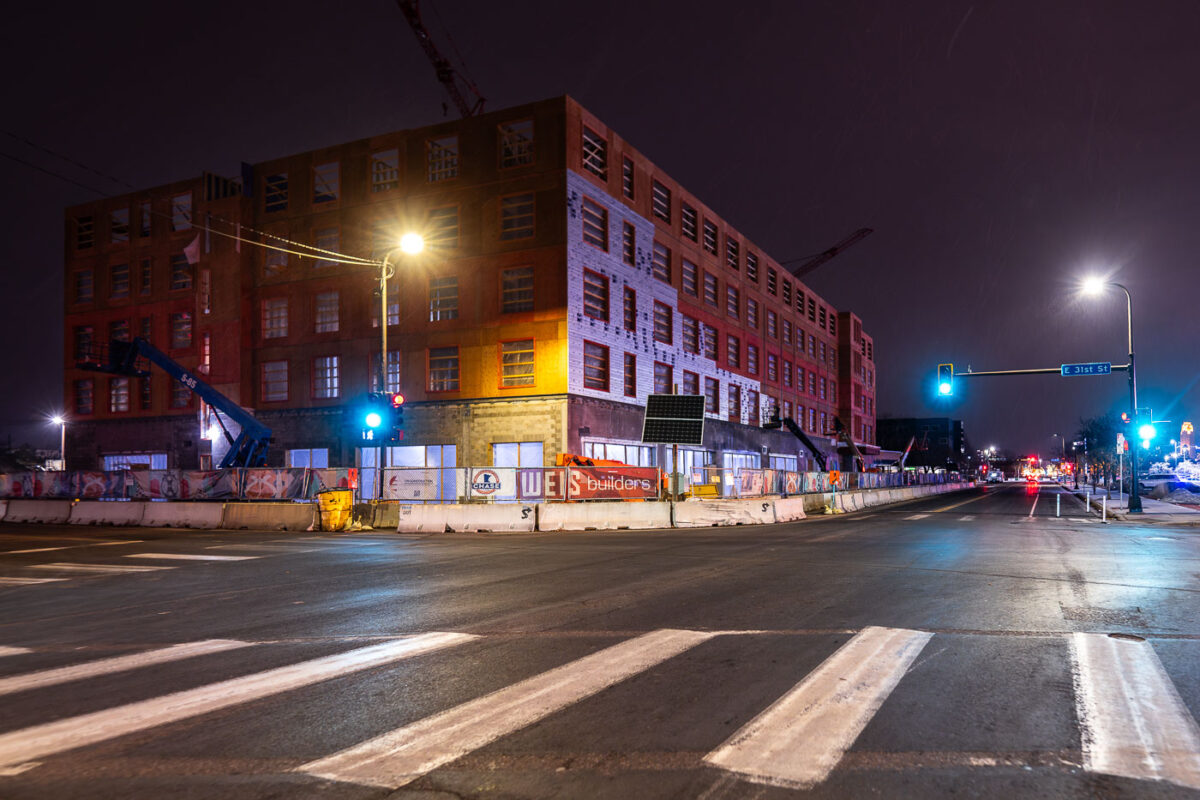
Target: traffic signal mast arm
1049 371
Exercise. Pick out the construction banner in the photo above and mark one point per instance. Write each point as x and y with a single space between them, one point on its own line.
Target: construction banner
93 485
272 484
52 484
612 483
217 484
332 478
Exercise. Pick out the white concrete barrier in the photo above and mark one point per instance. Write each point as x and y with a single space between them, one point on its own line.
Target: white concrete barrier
789 509
52 511
421 518
603 516
270 517
497 518
705 513
3 509
173 514
97 512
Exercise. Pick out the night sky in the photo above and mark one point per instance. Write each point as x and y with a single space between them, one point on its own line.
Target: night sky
1000 151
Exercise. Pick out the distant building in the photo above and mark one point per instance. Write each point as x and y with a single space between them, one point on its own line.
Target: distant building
566 277
937 441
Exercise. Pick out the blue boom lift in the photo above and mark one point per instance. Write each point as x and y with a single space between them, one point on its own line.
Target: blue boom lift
249 449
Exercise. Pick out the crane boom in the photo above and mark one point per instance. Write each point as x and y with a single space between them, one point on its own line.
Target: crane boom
446 73
821 258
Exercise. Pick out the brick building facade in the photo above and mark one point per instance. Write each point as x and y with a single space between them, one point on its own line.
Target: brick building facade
565 278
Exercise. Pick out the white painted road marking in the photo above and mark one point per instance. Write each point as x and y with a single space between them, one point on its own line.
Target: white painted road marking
13 651
1035 499
802 736
16 581
17 747
967 518
98 569
1133 722
105 666
68 547
917 516
189 557
395 758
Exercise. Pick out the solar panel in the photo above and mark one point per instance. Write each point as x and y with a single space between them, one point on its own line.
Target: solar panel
674 419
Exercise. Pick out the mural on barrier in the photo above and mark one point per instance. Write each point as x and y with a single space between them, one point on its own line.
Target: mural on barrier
272 484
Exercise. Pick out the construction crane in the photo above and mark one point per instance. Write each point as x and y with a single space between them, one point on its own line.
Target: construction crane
447 75
819 259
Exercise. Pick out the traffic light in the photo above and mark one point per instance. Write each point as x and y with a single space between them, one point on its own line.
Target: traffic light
371 414
945 380
396 404
1147 432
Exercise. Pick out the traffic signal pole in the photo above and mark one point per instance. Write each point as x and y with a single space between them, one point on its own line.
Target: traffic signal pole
1135 495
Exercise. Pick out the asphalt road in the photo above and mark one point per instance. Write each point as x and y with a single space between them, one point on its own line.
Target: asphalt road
954 646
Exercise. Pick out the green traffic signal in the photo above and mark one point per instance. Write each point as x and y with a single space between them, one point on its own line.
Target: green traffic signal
945 380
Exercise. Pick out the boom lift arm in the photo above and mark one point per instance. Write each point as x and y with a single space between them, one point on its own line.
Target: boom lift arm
787 422
249 449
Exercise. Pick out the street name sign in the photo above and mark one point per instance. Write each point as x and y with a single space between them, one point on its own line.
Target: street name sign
1094 368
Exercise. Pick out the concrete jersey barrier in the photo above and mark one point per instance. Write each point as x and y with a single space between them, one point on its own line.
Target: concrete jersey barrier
420 518
270 517
497 518
3 509
204 516
55 512
707 513
97 512
789 509
603 516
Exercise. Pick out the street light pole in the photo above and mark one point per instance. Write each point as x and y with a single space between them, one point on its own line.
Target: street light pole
410 244
1135 497
61 422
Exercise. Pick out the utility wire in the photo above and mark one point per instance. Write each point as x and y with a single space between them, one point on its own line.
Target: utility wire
68 159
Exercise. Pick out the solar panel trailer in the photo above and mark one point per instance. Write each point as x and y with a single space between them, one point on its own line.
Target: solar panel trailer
674 419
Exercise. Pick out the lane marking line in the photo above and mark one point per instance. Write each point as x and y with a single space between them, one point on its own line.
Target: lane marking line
397 757
98 569
801 737
13 651
189 557
68 547
1132 720
39 741
966 518
106 666
917 516
8 772
953 506
18 581
1036 497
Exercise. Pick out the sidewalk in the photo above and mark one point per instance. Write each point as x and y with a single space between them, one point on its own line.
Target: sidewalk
1152 510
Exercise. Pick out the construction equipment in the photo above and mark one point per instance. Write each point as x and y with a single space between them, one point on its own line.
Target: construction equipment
248 449
447 75
819 259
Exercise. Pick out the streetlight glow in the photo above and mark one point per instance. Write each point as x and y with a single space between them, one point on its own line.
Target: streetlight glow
1093 285
412 243
57 420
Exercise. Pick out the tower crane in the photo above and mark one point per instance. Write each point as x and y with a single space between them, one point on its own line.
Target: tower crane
819 259
447 75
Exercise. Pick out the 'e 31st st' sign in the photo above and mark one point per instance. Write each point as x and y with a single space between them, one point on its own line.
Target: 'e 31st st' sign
1094 368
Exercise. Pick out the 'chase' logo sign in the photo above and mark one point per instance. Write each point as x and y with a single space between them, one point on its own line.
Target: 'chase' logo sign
485 481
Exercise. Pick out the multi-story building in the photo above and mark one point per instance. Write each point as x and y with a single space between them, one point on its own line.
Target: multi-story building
565 278
938 442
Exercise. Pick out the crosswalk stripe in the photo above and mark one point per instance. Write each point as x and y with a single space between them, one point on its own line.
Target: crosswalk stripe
1133 721
105 666
801 737
395 758
21 581
966 518
190 557
917 516
98 569
50 738
5 650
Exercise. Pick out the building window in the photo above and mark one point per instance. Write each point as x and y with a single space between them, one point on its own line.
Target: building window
83 342
181 272
661 262
595 295
733 351
327 378
628 244
327 312
181 211
442 158
205 353
772 279
85 232
663 323
735 404
442 227
275 318
328 239
181 330
627 177
689 277
275 262
691 383
119 281
84 286
712 396
832 324
732 301
595 224
443 369
787 333
516 143
812 420
821 322
275 192
516 217
687 221
118 395
710 342
85 401
691 335
812 309
595 154
516 363
630 375
710 290
393 372
732 259
516 290
752 407
772 324
385 170
595 366
630 309
787 293
443 298
317 458
660 201
662 378
205 291
799 302
146 221
787 373
710 237
118 330
751 313
326 182
772 367
118 225
812 383
181 396
752 267
823 353
822 384
752 359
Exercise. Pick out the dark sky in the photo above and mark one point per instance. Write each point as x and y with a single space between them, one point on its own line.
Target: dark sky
1000 150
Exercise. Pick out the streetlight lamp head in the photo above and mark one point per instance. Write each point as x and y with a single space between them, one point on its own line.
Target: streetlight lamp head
412 243
57 420
1093 285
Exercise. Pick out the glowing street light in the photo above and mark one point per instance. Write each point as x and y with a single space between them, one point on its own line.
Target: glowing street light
411 244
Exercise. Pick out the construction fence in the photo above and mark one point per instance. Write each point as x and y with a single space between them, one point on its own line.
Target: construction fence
175 484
